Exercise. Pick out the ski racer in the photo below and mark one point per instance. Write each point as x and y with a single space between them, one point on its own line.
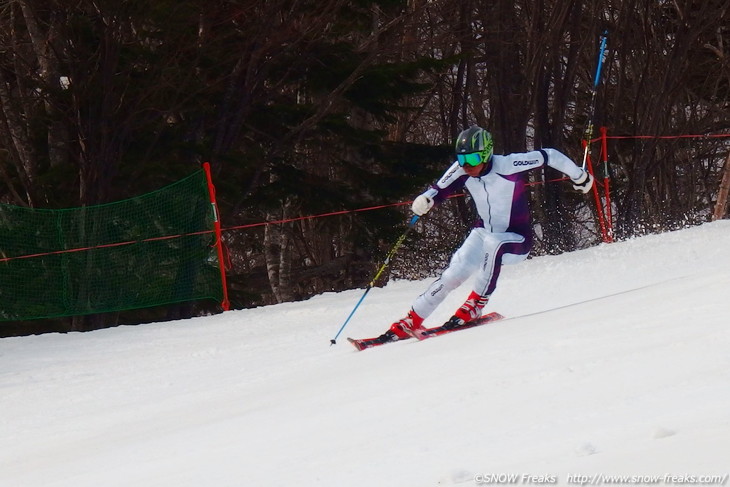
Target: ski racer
501 235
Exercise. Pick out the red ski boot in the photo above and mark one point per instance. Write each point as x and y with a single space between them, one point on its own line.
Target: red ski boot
469 311
407 326
397 331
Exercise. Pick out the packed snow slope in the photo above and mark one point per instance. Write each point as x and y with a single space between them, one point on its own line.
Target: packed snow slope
614 360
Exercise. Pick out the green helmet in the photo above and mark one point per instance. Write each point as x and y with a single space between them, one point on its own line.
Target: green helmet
474 146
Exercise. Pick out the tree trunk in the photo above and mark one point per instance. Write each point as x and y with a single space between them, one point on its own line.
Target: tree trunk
23 153
277 251
57 130
721 204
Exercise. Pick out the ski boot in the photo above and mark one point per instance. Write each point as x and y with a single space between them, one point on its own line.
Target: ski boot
469 311
407 327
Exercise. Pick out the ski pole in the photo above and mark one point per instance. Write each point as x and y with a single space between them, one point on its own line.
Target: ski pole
589 129
390 255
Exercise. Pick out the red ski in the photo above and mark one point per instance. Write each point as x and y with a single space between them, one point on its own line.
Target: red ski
363 343
424 333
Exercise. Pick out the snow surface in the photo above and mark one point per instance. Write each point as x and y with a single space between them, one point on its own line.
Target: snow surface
615 361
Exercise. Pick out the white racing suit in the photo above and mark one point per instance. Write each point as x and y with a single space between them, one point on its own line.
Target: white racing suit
503 232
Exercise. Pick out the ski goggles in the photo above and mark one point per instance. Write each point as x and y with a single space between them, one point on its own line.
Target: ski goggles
473 159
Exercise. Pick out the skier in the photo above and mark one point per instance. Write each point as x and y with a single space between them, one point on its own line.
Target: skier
501 235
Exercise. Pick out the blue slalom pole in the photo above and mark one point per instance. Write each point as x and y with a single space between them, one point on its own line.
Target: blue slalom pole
596 79
602 49
390 255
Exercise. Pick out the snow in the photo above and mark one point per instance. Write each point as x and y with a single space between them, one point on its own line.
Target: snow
614 360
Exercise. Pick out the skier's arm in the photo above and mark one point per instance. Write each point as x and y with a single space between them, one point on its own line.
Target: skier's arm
514 163
452 180
582 180
561 162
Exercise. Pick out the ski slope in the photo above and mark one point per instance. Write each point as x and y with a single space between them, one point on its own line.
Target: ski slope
614 361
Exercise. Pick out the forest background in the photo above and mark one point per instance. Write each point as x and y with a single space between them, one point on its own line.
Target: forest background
314 106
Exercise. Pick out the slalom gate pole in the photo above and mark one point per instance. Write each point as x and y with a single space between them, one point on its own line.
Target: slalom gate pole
606 184
398 243
599 205
225 303
589 128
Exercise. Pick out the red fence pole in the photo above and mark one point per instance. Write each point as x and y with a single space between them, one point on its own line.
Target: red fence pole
225 304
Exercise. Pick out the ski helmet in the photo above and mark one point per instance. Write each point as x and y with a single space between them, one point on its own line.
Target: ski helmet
474 146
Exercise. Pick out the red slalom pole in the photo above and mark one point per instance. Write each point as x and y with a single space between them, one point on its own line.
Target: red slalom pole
597 197
606 183
225 304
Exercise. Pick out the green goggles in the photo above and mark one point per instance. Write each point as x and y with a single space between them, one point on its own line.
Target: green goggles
473 159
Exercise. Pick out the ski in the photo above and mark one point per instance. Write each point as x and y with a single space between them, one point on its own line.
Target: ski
424 333
363 343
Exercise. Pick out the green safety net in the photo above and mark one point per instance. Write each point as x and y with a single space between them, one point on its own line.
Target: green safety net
155 249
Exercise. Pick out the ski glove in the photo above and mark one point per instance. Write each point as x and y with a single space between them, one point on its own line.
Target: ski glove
584 183
422 204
